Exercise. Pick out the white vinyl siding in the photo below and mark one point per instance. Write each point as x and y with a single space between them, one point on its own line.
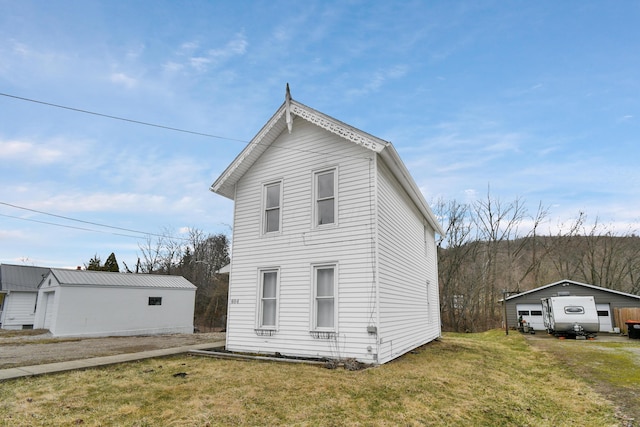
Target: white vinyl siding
19 309
300 245
89 311
409 298
383 250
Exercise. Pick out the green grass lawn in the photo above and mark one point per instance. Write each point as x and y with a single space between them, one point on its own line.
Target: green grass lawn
486 379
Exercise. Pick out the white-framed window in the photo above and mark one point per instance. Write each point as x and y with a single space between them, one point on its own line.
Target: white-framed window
272 204
268 298
324 297
325 200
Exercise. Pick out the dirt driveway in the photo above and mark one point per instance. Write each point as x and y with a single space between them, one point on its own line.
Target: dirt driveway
602 351
36 349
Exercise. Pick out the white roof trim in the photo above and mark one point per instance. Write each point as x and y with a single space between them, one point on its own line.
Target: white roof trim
338 128
573 282
225 184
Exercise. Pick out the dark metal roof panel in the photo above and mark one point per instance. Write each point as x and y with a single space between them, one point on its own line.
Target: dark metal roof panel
21 277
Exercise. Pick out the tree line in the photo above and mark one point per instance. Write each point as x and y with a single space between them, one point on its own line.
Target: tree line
490 249
493 249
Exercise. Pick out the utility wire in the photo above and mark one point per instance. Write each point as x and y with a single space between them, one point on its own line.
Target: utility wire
79 220
159 126
68 226
79 110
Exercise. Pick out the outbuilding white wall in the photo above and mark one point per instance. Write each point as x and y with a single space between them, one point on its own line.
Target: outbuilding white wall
293 158
408 277
19 310
108 311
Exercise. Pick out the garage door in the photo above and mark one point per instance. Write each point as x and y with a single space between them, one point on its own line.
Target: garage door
604 316
532 314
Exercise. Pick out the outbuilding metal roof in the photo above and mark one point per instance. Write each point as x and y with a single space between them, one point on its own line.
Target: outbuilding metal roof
124 280
599 288
24 278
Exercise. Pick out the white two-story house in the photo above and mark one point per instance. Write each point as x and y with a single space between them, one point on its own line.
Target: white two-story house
334 252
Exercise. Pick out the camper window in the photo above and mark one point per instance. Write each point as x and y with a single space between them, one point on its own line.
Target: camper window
574 310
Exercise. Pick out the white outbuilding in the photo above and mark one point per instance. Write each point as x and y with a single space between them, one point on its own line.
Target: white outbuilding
96 303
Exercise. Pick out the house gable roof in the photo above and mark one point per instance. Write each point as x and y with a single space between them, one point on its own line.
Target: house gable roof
24 278
573 283
120 280
225 184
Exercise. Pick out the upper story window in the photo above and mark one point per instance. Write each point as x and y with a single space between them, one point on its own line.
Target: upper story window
272 198
325 197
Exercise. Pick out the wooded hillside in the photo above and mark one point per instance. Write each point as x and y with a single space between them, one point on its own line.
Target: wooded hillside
491 248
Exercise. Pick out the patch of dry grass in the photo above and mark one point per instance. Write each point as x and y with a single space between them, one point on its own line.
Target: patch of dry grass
31 337
10 333
611 368
472 379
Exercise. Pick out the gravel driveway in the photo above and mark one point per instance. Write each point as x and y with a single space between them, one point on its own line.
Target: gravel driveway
25 350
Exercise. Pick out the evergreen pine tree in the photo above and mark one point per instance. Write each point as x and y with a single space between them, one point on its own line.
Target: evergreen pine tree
111 264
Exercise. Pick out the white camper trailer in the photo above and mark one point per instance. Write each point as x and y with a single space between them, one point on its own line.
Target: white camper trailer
568 315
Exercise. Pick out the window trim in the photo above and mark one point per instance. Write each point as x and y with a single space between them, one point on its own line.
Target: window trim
315 200
259 326
264 209
574 310
314 292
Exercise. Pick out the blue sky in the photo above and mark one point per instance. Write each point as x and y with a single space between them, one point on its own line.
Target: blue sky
538 100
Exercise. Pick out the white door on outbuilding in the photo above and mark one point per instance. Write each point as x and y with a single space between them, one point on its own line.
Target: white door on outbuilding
604 316
532 314
48 312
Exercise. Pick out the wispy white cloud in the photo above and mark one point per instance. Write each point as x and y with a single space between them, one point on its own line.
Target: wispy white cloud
101 202
199 63
123 80
191 55
377 79
172 66
27 152
235 47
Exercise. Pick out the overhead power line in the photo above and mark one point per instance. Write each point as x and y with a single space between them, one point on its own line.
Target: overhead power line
79 110
49 104
68 226
81 221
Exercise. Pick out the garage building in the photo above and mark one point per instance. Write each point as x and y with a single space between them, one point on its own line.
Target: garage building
527 304
96 303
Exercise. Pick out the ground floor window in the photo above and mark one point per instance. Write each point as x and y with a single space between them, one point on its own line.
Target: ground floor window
324 291
268 306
